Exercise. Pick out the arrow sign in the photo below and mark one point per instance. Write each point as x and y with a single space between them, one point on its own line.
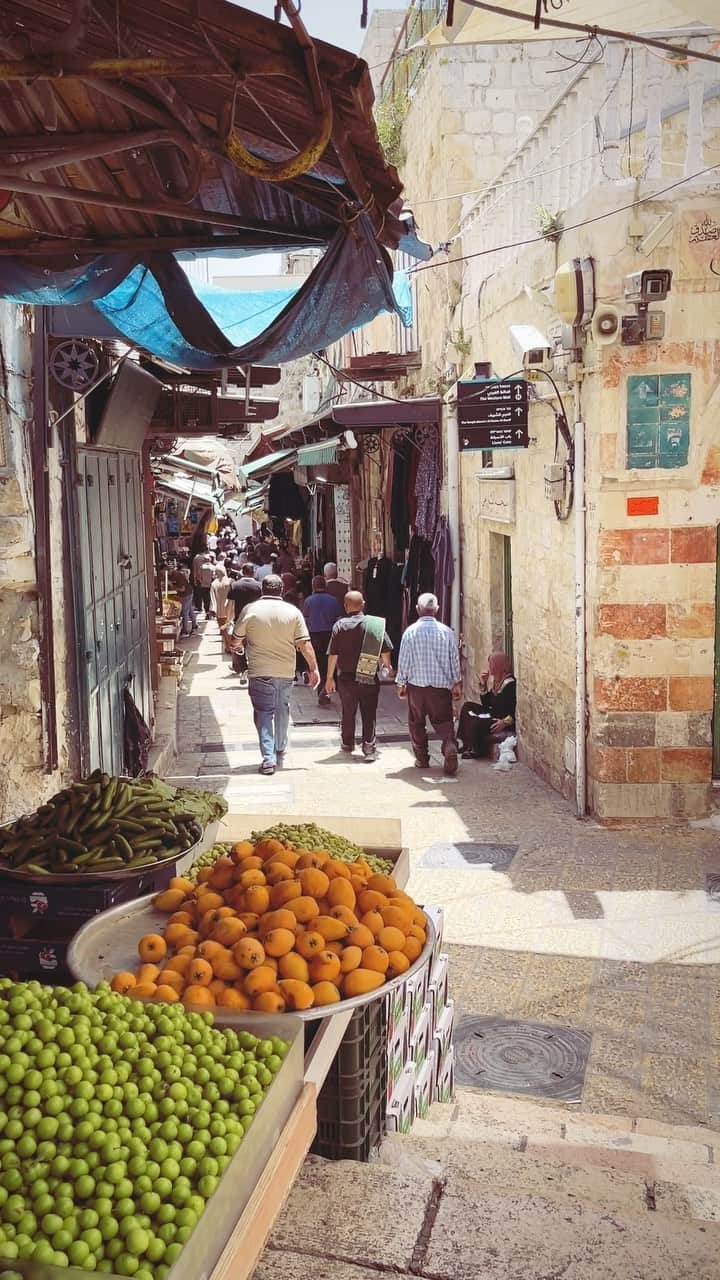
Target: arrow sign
493 414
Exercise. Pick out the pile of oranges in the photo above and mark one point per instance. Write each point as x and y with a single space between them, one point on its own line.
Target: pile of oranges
272 929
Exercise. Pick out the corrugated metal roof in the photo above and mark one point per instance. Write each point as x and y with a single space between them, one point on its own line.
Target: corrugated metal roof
157 118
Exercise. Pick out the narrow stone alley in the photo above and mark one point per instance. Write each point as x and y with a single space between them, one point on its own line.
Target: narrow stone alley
610 933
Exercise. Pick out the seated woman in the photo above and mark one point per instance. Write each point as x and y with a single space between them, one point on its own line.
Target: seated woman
491 719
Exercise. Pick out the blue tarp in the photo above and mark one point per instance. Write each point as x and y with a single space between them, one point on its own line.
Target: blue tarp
155 307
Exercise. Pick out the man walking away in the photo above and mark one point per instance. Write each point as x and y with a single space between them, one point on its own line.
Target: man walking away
271 631
203 557
180 582
428 675
359 642
245 590
336 587
219 594
321 611
204 570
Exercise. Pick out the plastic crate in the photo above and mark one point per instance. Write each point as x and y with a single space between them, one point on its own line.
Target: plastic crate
351 1103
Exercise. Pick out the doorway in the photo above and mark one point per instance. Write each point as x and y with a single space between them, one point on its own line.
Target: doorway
716 699
110 602
716 696
501 607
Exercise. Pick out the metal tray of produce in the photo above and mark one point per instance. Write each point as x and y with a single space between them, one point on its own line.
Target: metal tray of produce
107 945
182 860
204 1248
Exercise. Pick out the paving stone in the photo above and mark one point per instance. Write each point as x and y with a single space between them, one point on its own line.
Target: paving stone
363 1213
700 1203
280 1264
520 1238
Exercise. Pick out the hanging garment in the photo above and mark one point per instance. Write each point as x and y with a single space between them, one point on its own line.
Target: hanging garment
427 487
378 583
419 573
444 569
400 504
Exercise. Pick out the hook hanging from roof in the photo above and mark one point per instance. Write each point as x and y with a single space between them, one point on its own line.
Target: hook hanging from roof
312 152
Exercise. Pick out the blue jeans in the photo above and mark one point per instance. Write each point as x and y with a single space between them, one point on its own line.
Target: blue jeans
188 616
270 696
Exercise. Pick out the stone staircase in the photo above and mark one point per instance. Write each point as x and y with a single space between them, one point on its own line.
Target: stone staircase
498 1188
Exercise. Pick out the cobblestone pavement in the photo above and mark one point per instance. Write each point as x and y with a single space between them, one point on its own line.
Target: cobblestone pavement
611 931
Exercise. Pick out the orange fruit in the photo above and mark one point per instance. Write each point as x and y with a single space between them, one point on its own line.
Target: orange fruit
178 964
331 929
123 982
226 967
359 936
242 849
200 973
169 900
341 893
304 909
297 995
258 980
308 943
281 919
203 876
248 953
376 958
417 932
334 867
143 990
269 1002
257 899
369 900
217 986
165 993
399 963
185 886
277 871
180 935
412 949
311 858
397 916
229 931
201 996
212 901
231 998
347 916
325 993
315 883
171 978
182 917
291 965
284 892
222 874
279 941
250 919
152 948
382 884
361 981
148 973
208 949
324 967
186 951
336 947
351 958
250 863
391 939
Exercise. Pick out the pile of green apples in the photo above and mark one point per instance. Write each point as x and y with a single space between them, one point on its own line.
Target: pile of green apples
117 1121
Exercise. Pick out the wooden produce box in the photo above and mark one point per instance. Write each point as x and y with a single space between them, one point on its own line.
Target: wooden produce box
381 837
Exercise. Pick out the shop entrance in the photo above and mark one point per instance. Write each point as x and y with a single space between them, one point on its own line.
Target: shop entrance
716 699
716 702
110 601
501 609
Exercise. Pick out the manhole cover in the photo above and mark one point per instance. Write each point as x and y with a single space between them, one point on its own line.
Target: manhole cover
462 854
521 1057
712 885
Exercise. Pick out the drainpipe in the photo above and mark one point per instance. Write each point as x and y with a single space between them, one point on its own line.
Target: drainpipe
580 646
453 503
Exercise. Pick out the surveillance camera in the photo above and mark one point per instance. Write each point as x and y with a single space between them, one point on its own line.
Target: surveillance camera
643 287
533 346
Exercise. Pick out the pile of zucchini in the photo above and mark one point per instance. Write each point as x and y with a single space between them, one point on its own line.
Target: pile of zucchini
107 824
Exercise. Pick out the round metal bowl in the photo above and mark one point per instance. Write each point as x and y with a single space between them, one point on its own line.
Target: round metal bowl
107 944
86 877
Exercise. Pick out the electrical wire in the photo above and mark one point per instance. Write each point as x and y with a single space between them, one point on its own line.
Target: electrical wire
571 226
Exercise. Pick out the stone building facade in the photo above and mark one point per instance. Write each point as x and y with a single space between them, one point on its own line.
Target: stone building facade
623 152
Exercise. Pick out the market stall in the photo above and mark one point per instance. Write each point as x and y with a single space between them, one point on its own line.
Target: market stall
274 987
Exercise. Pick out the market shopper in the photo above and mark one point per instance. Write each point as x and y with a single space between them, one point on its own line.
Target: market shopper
359 645
203 575
219 594
271 631
181 584
321 611
337 587
244 590
428 675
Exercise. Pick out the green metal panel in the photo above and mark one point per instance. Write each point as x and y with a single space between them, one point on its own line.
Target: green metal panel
716 703
658 420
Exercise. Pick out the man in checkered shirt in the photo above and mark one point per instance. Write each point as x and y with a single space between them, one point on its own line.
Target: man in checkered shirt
428 675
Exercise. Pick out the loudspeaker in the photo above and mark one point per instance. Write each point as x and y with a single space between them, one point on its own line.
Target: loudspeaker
605 326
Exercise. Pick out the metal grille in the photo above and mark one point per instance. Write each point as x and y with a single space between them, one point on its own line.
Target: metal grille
521 1057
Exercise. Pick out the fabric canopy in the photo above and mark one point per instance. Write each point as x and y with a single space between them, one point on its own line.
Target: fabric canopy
634 16
155 307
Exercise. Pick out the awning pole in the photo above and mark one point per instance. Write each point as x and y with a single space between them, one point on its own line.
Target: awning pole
453 503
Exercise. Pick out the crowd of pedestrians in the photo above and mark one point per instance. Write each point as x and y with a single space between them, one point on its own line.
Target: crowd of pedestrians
285 624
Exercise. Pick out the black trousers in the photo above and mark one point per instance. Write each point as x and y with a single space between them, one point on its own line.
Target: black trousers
320 641
436 706
353 694
202 598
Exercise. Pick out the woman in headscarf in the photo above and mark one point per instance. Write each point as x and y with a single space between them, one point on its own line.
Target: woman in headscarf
493 717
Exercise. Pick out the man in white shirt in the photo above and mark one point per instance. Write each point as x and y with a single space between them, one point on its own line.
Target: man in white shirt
271 631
